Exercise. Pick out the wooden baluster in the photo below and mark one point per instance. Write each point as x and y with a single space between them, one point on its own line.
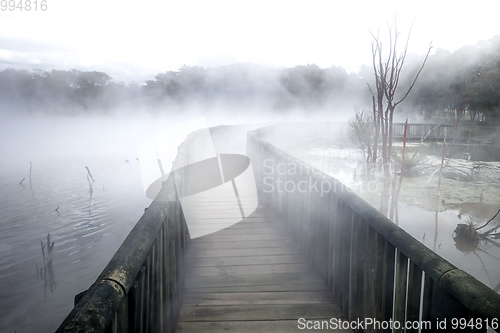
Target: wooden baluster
414 293
400 290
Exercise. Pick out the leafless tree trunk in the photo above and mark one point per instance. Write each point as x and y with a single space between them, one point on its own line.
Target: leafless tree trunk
387 73
376 122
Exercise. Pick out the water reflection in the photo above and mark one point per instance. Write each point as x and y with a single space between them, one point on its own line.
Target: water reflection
47 272
89 177
433 225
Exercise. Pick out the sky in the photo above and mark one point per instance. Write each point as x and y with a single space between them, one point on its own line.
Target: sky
134 40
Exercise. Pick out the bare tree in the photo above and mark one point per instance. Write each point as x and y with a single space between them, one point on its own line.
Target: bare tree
387 73
361 131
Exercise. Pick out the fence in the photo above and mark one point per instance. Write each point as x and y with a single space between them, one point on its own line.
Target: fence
373 267
141 288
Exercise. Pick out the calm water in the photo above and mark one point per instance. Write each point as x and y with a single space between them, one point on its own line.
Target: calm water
88 226
87 229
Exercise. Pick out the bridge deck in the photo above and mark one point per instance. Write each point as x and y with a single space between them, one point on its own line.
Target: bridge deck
251 277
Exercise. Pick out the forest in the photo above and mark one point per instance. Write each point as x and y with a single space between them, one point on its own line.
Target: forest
452 84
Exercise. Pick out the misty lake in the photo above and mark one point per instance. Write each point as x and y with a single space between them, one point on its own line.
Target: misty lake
88 226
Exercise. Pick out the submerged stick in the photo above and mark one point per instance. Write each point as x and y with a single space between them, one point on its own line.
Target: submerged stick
442 162
89 173
402 159
21 182
489 231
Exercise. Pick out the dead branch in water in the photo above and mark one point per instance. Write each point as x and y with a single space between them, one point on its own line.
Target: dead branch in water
442 162
21 182
432 129
89 174
489 231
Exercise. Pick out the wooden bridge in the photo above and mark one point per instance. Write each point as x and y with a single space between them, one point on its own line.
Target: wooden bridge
318 255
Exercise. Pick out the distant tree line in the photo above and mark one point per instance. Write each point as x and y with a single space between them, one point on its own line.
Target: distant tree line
239 86
466 81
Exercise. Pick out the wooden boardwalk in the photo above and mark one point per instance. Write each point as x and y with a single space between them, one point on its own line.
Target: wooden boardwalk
251 277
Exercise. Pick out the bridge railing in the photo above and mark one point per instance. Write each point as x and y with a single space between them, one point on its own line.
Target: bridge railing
374 268
419 131
433 132
141 288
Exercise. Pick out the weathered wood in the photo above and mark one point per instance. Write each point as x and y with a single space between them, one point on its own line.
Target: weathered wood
278 242
267 229
216 222
243 252
400 289
260 312
357 265
240 225
239 238
241 273
414 294
248 269
268 287
253 266
255 260
282 326
122 317
248 280
447 289
298 297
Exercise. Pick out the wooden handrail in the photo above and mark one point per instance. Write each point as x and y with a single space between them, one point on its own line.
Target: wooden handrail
374 268
141 287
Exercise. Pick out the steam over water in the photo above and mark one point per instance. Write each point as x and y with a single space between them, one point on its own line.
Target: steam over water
89 224
86 226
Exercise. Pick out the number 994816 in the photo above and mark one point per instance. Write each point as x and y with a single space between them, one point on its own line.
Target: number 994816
23 5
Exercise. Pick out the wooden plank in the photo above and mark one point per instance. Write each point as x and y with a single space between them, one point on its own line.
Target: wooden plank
248 270
252 219
259 312
251 231
197 245
249 280
240 238
211 206
243 252
224 212
251 276
220 225
270 297
282 326
256 225
258 288
255 260
209 219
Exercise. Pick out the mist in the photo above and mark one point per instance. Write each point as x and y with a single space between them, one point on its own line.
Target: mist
56 123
